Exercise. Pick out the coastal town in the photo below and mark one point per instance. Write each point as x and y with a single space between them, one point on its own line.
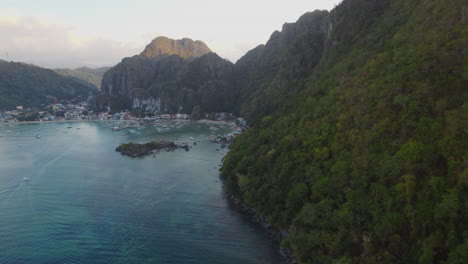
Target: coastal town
52 112
131 121
83 112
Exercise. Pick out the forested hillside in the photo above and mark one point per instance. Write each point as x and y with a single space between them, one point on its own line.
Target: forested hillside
270 74
30 86
91 75
364 160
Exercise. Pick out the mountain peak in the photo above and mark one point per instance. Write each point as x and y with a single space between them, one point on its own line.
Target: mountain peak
185 48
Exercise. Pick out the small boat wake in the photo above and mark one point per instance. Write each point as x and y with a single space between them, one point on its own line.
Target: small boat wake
24 181
14 188
8 190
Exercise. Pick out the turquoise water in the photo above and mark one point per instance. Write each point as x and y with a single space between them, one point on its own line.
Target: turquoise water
86 203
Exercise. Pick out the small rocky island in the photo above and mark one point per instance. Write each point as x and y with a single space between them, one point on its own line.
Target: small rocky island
139 150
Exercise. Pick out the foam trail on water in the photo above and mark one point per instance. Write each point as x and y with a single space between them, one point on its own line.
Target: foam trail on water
51 162
9 190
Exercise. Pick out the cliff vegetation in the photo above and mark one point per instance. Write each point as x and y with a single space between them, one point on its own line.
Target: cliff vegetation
362 158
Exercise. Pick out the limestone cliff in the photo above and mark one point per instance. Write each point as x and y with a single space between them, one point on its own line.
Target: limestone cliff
171 76
185 48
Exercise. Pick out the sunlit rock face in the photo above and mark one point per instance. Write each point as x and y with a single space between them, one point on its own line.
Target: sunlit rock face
185 48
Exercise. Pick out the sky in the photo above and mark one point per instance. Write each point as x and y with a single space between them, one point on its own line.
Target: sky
95 33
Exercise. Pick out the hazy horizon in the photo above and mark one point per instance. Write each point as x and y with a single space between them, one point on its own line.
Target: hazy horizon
71 34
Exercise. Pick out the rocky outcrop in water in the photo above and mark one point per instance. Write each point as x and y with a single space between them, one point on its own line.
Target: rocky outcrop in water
139 150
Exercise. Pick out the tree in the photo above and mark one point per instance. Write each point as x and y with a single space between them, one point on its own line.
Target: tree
196 115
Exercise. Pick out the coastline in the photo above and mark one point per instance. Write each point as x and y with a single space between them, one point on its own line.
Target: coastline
207 121
203 121
56 121
261 220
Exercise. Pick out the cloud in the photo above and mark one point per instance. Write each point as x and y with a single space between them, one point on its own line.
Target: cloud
53 45
53 33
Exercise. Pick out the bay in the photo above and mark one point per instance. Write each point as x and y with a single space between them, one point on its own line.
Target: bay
86 203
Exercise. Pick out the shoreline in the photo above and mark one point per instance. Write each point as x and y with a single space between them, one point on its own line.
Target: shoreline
262 221
203 121
56 121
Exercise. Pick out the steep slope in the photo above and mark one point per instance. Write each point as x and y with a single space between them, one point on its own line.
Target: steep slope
268 75
30 86
367 162
91 75
204 81
171 76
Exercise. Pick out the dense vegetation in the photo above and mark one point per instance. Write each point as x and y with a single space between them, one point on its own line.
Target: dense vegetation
28 116
31 86
270 74
367 162
90 75
139 150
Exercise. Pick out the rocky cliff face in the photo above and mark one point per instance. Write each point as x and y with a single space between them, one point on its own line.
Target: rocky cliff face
130 74
289 54
185 48
271 74
205 81
172 76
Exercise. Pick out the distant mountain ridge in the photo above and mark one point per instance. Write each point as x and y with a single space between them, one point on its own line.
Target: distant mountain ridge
30 86
91 75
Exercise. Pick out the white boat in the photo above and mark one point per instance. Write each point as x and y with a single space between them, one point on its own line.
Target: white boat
25 179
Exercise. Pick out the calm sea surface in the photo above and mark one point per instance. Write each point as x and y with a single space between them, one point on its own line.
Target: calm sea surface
86 203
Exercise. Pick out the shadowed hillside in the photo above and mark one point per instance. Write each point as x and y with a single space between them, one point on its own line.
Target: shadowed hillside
362 155
93 76
30 86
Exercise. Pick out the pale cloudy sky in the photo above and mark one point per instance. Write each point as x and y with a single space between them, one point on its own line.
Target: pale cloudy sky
73 33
